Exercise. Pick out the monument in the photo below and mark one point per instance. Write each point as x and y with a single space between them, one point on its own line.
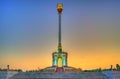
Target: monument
59 57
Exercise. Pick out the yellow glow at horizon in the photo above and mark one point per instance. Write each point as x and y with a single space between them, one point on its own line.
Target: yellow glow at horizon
85 59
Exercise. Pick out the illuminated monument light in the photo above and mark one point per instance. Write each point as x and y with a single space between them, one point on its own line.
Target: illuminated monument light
59 58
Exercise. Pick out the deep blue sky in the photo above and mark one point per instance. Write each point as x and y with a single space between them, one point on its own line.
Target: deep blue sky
31 27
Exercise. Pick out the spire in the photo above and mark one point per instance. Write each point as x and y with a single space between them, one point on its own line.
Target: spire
59 9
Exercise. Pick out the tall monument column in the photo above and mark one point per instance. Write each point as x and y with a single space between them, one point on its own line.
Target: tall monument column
59 9
60 55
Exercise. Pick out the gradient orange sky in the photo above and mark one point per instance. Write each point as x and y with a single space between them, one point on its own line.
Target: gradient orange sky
90 33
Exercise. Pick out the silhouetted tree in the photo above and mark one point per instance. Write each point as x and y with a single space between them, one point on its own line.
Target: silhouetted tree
99 70
111 67
19 70
117 67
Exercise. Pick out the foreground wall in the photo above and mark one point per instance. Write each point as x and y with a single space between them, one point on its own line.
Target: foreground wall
60 75
7 74
112 74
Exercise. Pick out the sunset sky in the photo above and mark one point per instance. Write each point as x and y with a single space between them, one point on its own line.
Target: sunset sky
29 31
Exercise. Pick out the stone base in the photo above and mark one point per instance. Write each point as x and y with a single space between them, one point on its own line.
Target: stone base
61 69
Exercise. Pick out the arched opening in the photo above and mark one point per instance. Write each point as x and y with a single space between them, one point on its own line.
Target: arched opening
59 62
